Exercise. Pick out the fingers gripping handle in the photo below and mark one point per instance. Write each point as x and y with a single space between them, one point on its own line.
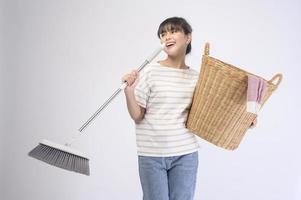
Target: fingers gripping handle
123 86
149 59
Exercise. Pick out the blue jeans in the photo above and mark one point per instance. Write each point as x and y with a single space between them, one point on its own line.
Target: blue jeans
168 178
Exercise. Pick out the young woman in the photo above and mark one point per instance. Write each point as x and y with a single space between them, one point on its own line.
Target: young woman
158 100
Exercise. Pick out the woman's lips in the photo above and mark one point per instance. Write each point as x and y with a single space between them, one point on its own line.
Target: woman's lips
170 45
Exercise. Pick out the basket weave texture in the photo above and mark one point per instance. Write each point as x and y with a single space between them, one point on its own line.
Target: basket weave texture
218 111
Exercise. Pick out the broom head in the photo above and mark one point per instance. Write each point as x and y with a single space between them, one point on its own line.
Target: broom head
61 156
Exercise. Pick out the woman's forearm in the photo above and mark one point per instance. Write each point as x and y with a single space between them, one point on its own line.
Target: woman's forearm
136 112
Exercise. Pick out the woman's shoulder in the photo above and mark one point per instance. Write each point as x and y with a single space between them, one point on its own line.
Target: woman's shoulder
155 66
151 67
193 71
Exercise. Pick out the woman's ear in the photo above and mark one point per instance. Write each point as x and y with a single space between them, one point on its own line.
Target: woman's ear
189 38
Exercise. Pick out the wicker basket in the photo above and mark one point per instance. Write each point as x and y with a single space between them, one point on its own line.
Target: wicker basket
218 111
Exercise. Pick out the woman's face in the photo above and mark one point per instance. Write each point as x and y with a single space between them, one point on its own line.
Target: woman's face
176 42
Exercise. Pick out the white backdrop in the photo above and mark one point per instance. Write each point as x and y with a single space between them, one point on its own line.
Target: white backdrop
63 59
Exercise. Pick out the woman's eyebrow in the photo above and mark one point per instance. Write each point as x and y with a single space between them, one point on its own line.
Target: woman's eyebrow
169 29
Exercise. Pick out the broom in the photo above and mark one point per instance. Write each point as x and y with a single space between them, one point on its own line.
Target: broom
65 157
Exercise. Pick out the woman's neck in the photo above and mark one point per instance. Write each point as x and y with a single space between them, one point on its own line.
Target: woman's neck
177 62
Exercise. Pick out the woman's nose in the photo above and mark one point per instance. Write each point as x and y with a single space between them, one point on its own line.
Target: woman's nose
167 36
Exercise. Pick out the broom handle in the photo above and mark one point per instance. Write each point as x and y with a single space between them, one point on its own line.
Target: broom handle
82 128
123 86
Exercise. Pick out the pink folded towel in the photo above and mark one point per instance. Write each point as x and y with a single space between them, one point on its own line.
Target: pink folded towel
255 93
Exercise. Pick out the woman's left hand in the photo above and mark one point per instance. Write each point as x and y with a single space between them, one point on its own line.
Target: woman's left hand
253 123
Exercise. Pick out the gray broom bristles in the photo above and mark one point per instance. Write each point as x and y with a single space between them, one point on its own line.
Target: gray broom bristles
62 159
63 156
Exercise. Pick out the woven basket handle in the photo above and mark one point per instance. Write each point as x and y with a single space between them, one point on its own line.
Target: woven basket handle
277 76
207 47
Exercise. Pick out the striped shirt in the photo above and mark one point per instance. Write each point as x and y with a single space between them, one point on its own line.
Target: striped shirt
166 94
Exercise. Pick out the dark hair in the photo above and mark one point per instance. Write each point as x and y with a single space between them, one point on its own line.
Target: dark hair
176 24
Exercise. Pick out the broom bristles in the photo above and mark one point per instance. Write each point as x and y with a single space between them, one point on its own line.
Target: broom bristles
61 158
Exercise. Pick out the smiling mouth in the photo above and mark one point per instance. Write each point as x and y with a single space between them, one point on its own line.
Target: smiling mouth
170 45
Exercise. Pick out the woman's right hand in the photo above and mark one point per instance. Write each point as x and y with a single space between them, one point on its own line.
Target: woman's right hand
131 79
